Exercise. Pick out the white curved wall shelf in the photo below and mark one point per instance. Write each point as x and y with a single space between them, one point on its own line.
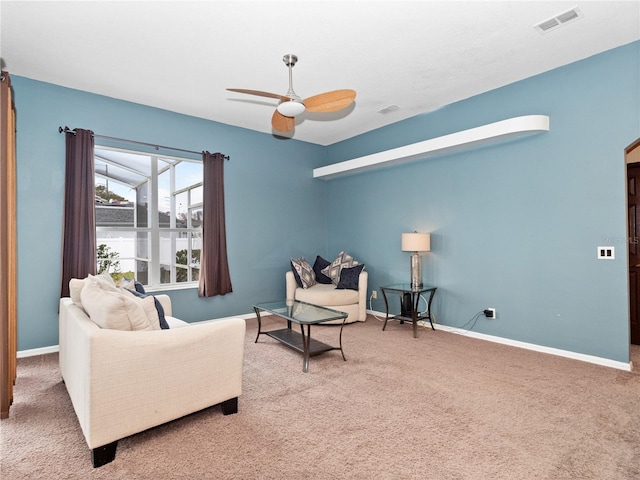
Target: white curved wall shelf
490 133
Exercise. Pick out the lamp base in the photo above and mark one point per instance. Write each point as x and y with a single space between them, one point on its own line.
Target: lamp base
416 270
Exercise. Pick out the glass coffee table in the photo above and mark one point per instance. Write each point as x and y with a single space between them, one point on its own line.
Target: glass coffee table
304 314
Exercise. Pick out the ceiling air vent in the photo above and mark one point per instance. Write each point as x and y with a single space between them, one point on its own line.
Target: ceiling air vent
558 20
389 109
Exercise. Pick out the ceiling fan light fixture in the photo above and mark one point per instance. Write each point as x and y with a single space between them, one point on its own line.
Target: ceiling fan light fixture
291 108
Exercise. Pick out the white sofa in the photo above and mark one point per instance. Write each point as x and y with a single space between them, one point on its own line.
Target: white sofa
352 302
124 382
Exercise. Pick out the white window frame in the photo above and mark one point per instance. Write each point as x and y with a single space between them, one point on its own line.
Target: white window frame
154 230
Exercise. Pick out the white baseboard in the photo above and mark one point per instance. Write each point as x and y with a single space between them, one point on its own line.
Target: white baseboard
481 336
37 351
246 316
529 346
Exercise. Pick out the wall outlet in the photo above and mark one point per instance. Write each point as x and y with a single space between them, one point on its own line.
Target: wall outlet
606 253
490 312
374 294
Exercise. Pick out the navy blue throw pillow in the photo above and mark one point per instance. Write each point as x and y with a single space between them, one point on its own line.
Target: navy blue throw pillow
317 268
139 287
349 277
159 308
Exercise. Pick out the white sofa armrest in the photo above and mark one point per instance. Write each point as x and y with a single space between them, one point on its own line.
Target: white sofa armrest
165 301
291 285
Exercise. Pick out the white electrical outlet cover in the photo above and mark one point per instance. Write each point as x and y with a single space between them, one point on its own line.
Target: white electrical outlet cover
606 253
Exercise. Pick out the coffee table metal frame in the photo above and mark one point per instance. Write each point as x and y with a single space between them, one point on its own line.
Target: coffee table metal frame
304 314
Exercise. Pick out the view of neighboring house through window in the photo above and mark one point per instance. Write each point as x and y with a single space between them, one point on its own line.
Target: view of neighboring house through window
148 216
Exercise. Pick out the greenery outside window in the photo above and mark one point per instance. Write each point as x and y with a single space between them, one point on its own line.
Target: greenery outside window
148 217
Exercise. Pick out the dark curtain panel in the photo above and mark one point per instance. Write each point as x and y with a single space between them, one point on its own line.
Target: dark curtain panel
214 267
79 229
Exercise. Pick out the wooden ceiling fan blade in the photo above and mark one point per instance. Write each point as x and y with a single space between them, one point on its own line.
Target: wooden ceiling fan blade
330 101
260 93
281 123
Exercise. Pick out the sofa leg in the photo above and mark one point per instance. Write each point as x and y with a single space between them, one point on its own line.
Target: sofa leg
105 454
230 406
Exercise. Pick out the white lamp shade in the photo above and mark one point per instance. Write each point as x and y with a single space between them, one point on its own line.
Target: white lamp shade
291 108
416 242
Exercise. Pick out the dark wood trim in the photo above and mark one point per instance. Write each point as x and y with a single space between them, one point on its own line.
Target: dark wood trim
633 146
8 247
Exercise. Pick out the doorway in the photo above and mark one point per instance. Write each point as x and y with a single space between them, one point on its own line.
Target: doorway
632 160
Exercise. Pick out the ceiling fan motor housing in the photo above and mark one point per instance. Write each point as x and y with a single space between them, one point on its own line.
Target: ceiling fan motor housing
290 59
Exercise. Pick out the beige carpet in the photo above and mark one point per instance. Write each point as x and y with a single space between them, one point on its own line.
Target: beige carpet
443 406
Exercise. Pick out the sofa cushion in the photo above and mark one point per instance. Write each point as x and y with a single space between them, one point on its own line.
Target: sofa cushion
349 277
343 260
174 322
114 309
319 264
305 276
327 295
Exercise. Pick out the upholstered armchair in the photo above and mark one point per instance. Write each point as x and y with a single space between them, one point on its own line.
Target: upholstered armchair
352 302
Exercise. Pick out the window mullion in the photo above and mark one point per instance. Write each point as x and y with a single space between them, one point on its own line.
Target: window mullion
174 214
154 264
189 276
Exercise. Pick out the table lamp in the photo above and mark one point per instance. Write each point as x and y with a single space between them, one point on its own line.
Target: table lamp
416 242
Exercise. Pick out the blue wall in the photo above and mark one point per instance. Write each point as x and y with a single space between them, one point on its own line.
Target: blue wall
514 226
274 208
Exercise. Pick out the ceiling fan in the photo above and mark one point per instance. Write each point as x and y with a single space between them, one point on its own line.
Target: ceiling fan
291 105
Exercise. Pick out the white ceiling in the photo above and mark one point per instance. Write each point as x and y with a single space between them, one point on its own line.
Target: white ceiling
418 55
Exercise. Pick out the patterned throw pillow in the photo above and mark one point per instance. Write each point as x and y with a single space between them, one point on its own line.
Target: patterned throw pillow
343 260
304 271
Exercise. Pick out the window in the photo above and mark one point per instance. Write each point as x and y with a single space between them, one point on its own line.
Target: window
148 216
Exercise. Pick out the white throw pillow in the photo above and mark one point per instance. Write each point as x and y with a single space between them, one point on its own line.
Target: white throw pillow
76 285
105 281
113 309
148 304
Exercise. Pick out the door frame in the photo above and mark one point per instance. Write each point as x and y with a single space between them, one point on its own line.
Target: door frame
631 156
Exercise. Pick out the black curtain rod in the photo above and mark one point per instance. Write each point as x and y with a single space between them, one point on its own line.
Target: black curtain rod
157 147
